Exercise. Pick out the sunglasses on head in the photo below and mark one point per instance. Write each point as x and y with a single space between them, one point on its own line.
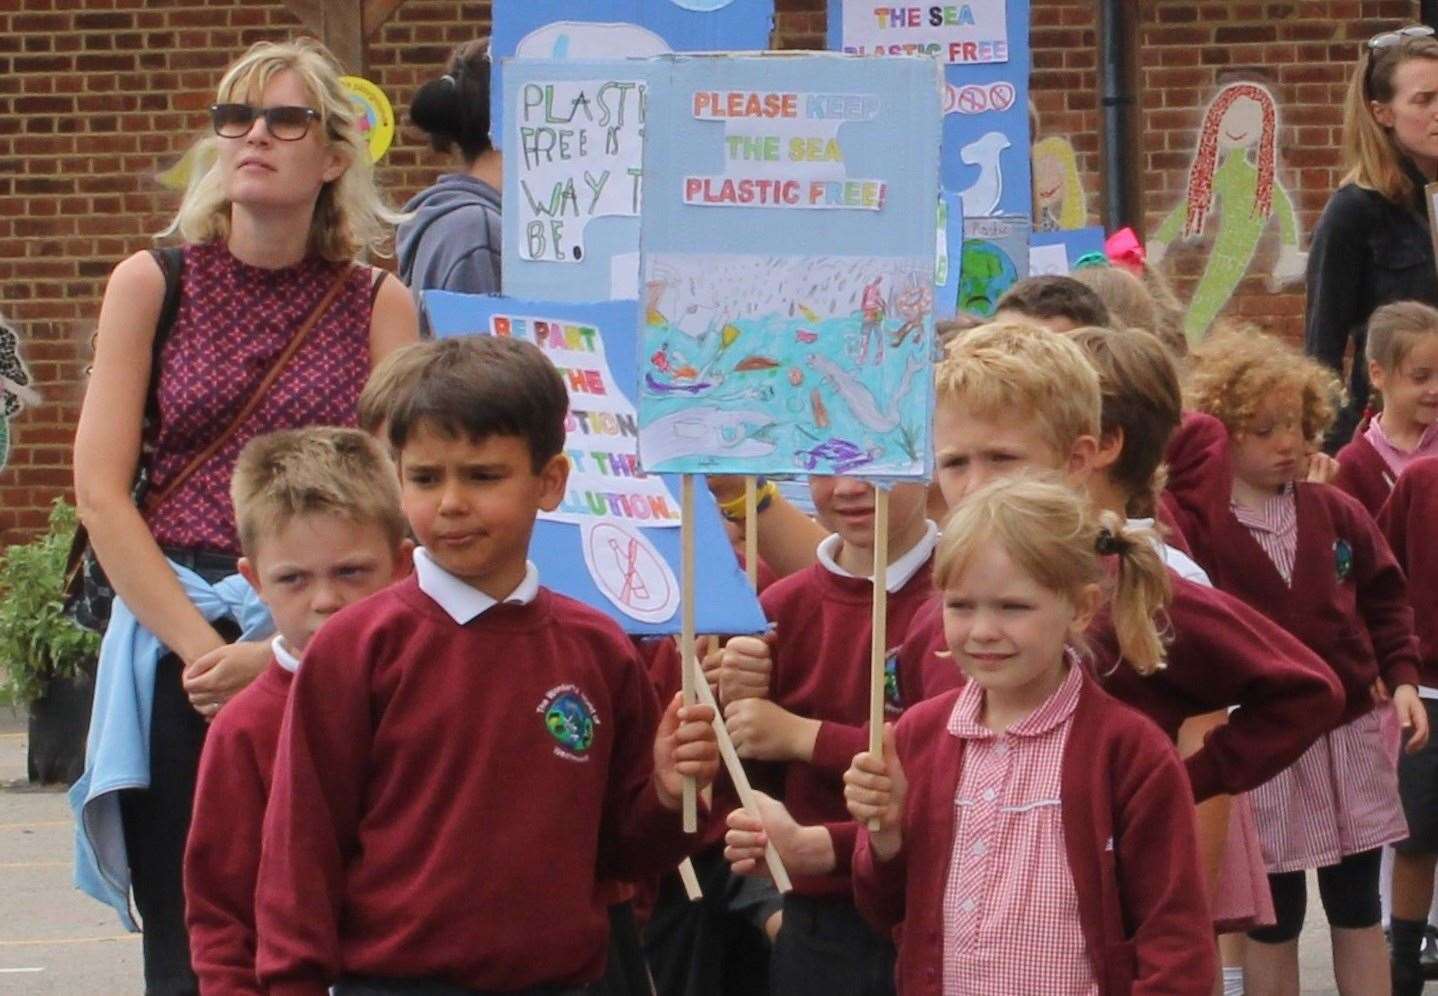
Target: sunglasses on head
288 124
1385 40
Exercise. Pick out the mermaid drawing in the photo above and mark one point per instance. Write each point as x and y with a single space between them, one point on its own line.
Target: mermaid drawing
15 390
1244 192
1059 201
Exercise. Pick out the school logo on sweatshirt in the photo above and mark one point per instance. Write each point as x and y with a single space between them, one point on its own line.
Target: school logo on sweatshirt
1343 559
570 718
893 699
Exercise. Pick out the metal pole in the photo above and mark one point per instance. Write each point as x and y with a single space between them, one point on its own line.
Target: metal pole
1116 105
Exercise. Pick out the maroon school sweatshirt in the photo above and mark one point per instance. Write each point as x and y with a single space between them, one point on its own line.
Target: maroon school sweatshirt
1409 521
1220 654
1128 829
1363 473
821 671
222 854
446 797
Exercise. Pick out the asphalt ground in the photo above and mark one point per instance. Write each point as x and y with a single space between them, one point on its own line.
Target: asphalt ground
56 940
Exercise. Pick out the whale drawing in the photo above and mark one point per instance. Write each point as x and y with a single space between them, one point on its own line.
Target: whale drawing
861 400
704 431
981 199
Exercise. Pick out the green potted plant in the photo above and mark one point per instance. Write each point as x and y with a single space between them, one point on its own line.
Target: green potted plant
47 662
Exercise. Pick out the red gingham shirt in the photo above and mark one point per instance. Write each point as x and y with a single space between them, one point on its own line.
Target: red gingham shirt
1275 528
1011 916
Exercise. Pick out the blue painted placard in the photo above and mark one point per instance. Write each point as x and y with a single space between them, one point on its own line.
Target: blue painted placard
614 542
984 45
1077 243
610 29
788 236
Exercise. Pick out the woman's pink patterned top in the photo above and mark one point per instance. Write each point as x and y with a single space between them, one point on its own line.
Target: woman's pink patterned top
234 320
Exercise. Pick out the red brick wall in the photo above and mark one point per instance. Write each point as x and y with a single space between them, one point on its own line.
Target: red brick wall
1303 52
95 101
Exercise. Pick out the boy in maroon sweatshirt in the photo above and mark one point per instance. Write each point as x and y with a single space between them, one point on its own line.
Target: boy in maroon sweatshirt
812 716
1402 354
320 525
466 754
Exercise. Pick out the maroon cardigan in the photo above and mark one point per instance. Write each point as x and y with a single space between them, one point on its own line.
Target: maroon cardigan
1128 822
1348 601
1364 474
1409 520
1221 654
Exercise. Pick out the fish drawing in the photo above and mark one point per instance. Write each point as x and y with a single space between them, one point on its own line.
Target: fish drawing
861 400
704 431
796 376
821 413
655 386
806 336
756 362
842 454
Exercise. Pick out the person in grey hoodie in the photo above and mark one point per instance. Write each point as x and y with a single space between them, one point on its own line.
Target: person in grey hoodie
452 241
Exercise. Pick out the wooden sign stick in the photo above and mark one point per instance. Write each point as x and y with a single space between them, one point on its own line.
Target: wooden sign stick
878 648
751 531
689 666
747 798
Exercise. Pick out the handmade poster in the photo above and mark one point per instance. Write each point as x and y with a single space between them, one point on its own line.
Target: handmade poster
950 255
964 32
1059 199
613 543
995 257
1059 253
15 389
984 45
789 236
616 29
376 116
572 179
1234 192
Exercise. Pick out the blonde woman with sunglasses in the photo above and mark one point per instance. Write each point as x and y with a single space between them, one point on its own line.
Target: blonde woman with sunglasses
1372 245
275 325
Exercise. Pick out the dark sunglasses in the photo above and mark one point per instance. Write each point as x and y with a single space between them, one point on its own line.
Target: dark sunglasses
1386 40
288 124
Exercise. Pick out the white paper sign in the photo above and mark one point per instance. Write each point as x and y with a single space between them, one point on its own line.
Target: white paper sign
601 430
969 33
1048 261
579 157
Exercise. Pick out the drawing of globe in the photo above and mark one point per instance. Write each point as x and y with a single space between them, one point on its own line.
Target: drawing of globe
985 273
570 722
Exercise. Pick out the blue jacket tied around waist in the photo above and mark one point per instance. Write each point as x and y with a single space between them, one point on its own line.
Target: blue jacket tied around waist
117 751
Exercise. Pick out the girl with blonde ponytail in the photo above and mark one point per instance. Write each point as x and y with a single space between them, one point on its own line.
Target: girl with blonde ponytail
1064 818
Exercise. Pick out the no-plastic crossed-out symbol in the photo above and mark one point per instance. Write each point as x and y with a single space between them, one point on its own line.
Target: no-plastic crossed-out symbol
977 98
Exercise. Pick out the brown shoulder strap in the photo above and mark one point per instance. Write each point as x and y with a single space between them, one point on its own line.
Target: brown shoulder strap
276 368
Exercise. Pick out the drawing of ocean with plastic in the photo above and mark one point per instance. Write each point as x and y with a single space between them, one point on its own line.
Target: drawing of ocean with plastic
613 542
786 365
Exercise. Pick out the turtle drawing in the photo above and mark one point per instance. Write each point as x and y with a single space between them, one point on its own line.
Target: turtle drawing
841 454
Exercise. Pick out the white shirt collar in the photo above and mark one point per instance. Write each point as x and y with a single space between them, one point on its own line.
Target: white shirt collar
900 571
283 654
462 601
1179 562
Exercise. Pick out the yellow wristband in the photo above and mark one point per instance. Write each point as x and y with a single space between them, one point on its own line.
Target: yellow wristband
733 509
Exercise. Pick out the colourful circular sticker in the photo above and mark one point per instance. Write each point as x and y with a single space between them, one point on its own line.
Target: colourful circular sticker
376 120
